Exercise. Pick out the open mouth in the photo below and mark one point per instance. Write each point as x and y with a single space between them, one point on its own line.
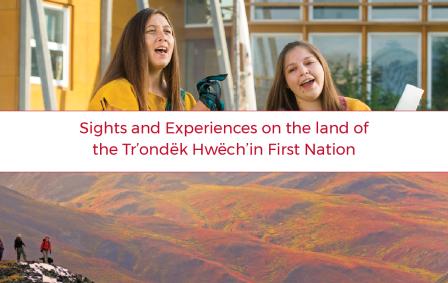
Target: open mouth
161 50
307 83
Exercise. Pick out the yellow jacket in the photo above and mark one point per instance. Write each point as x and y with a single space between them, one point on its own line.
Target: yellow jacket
120 95
355 104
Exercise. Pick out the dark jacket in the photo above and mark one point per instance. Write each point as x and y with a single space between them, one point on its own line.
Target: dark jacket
18 243
1 245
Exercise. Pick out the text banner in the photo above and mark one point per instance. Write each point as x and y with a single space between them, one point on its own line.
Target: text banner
223 141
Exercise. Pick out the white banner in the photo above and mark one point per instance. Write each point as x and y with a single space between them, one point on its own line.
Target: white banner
224 141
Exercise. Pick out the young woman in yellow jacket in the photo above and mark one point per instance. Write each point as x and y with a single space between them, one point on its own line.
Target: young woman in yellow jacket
303 81
144 72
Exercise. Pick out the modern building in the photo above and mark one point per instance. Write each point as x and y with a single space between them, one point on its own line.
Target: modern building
374 47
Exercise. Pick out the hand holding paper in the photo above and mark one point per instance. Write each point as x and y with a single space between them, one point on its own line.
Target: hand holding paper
410 99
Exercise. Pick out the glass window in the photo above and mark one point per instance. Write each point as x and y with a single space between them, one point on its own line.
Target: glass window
334 12
201 60
265 50
411 13
197 12
439 13
336 1
57 21
282 10
438 83
394 61
57 64
343 54
396 13
55 25
276 1
395 1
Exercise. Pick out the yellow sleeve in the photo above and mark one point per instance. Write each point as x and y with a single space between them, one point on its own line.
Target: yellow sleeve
190 102
119 95
356 105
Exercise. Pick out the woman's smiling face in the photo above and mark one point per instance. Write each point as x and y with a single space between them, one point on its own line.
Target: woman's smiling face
159 40
304 74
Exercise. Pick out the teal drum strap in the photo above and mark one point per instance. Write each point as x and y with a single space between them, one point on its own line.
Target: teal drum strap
183 93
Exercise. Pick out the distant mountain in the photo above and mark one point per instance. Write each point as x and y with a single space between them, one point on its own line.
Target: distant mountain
62 187
242 227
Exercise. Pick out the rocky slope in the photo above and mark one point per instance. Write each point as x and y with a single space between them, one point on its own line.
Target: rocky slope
38 272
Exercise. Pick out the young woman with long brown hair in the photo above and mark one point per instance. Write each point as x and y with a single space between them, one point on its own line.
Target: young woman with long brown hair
144 72
303 81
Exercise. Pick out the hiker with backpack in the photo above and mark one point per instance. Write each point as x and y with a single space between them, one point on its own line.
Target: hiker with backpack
45 247
19 247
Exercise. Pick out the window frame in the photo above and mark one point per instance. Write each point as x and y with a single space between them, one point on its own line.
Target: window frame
253 5
442 4
431 35
54 46
358 6
385 4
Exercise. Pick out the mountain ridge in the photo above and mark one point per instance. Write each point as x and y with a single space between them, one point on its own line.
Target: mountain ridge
390 224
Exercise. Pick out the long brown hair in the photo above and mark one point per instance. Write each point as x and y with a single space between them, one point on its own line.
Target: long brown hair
282 98
131 61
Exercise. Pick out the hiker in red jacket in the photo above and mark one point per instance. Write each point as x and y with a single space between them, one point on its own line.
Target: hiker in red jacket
45 247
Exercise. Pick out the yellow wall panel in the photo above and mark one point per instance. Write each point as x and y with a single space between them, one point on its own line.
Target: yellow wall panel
9 55
9 4
86 53
63 98
9 100
9 38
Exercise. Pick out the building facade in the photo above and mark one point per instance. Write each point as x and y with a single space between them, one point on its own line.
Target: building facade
373 47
